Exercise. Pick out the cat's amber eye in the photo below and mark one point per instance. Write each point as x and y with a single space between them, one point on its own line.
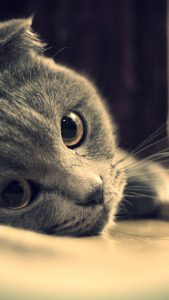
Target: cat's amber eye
72 129
15 194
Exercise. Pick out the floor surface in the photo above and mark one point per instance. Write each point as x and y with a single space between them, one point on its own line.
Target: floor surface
132 263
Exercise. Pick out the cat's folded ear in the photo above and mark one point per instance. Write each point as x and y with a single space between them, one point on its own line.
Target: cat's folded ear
17 40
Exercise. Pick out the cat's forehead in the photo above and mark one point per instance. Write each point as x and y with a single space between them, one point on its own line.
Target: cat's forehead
41 81
28 78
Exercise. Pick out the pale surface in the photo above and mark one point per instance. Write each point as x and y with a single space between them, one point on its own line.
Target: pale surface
131 264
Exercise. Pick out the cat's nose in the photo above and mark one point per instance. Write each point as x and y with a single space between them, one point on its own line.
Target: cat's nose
92 198
95 197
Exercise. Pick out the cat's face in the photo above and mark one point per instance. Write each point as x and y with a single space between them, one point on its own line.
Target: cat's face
57 146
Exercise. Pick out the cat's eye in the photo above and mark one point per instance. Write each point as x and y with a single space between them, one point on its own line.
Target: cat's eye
72 129
16 194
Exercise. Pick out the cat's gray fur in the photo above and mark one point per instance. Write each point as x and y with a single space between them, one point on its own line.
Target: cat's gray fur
35 93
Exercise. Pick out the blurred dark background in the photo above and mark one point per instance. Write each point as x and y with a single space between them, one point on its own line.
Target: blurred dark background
120 44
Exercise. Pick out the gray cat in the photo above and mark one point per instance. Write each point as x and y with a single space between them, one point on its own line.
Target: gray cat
61 171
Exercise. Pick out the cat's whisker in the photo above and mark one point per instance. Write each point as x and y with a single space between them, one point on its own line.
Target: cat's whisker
126 200
160 157
150 145
123 210
141 196
135 194
46 49
146 164
139 150
139 188
160 130
114 165
143 178
60 50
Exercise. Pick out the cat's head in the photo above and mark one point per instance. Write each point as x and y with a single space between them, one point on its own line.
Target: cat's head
57 143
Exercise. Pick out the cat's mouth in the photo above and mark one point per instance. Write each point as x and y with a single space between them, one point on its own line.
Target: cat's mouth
83 226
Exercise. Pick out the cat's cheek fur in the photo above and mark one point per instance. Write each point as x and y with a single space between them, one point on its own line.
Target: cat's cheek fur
115 196
58 215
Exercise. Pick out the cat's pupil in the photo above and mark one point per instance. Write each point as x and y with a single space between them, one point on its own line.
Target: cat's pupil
68 128
13 194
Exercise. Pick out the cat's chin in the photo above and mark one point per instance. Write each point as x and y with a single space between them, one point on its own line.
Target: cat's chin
84 227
